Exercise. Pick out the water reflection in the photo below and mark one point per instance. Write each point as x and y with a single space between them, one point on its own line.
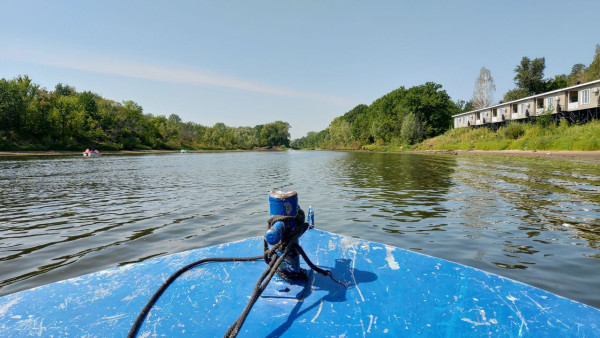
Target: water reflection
395 191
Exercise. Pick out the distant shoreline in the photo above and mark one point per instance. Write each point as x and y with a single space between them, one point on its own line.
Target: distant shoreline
558 154
120 152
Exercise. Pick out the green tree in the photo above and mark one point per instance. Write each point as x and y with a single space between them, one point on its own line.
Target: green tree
275 134
530 75
558 82
410 129
464 106
340 132
88 101
432 106
577 69
593 71
64 90
515 94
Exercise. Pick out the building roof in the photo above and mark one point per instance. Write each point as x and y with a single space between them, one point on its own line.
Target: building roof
529 98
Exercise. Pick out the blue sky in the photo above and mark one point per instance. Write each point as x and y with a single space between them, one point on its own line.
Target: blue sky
305 62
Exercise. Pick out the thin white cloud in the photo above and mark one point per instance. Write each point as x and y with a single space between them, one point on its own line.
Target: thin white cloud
154 72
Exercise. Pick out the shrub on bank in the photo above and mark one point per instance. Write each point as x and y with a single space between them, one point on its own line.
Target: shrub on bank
513 130
519 136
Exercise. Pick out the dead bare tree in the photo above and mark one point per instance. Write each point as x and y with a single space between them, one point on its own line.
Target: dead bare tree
484 89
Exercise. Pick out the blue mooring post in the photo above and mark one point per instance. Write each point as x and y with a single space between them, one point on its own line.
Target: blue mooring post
285 203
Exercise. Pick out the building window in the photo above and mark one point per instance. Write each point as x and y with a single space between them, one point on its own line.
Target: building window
585 96
522 108
572 97
550 103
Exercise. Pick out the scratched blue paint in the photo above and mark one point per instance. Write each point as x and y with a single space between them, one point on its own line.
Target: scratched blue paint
394 292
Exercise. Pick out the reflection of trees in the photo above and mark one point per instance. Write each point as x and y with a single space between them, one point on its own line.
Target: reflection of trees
397 188
541 207
547 197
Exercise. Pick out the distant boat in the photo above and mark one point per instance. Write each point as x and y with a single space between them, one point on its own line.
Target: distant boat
91 153
183 151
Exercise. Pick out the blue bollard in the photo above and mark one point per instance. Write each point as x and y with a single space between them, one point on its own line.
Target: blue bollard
285 203
275 234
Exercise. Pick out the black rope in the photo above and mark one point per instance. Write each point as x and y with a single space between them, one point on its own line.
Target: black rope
142 315
260 286
318 269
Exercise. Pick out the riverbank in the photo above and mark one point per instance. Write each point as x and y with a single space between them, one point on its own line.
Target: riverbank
593 156
122 152
78 153
547 137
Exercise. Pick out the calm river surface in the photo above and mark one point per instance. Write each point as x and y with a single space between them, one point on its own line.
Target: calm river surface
530 219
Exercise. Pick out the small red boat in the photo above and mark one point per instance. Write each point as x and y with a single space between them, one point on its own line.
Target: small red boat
91 153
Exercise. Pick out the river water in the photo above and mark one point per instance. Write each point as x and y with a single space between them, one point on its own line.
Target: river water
534 220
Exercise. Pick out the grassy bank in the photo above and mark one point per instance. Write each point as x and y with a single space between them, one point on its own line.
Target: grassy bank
518 136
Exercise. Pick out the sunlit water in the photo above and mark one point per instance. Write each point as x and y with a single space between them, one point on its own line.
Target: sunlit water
533 220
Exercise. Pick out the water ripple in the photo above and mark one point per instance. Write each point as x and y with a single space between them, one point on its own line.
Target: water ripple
534 220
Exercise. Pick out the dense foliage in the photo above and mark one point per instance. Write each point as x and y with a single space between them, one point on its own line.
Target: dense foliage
529 77
33 118
403 116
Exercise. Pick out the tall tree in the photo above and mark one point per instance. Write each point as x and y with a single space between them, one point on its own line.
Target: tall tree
484 89
577 69
530 75
593 71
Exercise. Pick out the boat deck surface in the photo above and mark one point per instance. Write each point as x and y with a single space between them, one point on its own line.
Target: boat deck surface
393 292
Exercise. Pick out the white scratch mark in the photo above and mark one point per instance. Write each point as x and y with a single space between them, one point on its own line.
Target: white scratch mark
354 278
390 258
226 277
42 328
8 305
518 313
474 322
370 323
112 319
318 312
363 328
536 303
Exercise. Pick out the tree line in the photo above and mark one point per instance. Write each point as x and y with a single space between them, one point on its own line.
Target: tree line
33 118
408 116
403 116
529 78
